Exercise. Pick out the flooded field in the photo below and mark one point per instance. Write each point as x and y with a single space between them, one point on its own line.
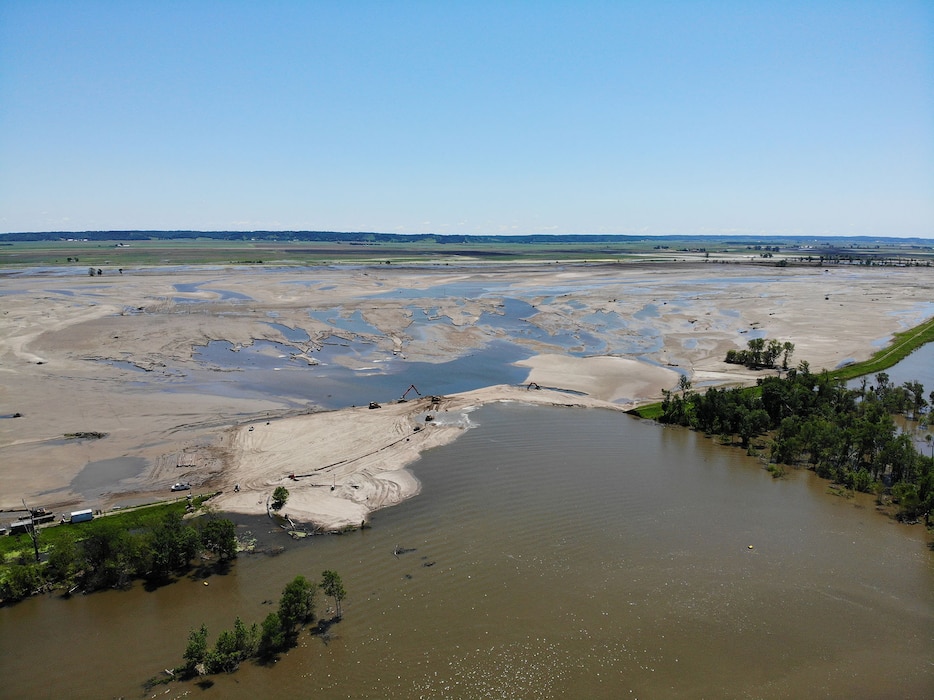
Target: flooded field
265 368
551 552
662 566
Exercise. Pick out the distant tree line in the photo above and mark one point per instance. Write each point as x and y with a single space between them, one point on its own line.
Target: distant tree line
867 259
840 250
104 553
762 354
319 236
846 435
278 632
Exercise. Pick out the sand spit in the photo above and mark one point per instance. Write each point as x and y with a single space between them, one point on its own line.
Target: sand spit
339 466
611 379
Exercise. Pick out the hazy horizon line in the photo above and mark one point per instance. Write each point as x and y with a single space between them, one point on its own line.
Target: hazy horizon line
399 234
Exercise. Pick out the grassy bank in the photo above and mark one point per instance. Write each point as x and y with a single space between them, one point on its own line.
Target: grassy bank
902 345
16 547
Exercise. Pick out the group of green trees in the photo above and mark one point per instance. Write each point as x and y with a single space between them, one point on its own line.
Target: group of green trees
105 553
762 354
278 632
847 435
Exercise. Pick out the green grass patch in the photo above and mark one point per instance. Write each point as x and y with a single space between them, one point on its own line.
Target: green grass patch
13 547
902 345
652 411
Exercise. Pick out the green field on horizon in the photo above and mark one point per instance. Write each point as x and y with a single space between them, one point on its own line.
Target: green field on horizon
267 251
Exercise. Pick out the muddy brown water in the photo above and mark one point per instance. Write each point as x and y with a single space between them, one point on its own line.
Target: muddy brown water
556 553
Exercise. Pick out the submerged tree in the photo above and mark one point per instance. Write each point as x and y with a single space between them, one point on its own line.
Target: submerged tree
219 535
231 648
271 638
278 632
332 586
297 605
196 650
112 555
842 433
172 545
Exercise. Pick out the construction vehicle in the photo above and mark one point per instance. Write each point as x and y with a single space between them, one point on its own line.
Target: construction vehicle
406 393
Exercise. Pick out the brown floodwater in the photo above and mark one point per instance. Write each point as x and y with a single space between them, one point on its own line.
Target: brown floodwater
555 553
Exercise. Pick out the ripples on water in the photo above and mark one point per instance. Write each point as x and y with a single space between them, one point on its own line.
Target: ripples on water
553 553
584 554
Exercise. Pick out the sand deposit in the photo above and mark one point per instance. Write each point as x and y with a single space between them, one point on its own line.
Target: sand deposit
116 354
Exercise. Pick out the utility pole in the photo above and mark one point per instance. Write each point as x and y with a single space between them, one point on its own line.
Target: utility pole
33 532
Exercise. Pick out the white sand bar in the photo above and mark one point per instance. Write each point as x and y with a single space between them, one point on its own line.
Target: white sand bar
339 466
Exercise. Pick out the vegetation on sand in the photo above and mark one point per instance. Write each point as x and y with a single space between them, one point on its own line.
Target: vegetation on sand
761 353
902 345
279 497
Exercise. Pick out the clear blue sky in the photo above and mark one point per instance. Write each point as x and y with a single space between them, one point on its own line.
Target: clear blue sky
747 117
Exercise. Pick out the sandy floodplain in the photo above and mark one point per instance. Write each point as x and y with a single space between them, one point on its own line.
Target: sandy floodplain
121 355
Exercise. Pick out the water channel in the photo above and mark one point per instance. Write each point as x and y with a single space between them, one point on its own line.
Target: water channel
556 553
